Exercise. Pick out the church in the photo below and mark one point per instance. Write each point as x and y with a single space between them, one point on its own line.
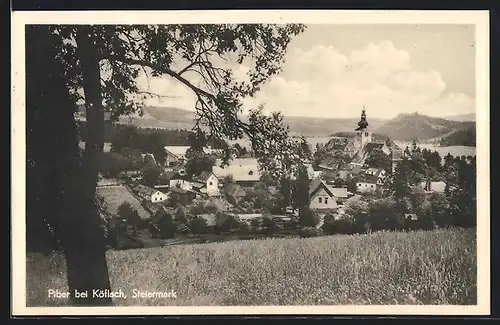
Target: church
357 149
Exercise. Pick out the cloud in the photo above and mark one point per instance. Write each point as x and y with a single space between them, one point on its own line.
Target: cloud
323 82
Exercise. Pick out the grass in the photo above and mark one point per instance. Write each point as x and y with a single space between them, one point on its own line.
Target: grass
116 195
435 267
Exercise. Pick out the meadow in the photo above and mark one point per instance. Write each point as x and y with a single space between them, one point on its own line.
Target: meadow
422 267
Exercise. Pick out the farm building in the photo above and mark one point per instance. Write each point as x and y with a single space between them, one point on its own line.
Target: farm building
368 183
150 194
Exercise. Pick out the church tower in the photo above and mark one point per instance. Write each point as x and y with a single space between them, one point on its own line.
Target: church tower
363 136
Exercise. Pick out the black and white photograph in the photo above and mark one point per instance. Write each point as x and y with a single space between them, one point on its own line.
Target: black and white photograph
278 162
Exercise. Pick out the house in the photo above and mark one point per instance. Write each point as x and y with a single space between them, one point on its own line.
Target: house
244 171
368 183
150 194
321 196
330 166
210 182
182 196
175 155
379 172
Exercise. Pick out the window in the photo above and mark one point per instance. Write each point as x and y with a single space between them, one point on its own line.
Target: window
366 134
326 200
372 186
210 183
320 199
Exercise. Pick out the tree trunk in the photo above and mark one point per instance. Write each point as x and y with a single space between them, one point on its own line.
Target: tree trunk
70 188
86 251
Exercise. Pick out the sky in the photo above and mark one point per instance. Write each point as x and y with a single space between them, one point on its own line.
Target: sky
337 70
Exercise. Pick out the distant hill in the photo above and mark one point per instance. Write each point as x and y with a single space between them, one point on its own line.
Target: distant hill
404 127
471 117
463 137
171 117
409 127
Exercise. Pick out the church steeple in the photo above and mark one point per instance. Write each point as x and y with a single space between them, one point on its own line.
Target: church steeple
363 124
363 136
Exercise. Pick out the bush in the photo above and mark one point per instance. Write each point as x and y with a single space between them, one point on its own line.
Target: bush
308 217
166 226
226 223
309 232
329 226
199 226
269 225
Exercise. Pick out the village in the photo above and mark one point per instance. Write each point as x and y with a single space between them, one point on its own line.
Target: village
195 197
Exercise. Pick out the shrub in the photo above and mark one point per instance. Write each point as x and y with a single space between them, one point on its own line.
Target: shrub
269 225
199 226
308 217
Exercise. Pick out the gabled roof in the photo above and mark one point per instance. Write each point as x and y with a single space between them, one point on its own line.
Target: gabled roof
168 175
360 157
177 150
332 163
337 143
145 190
375 171
204 176
318 184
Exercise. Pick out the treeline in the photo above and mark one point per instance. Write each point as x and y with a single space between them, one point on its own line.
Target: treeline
123 135
464 137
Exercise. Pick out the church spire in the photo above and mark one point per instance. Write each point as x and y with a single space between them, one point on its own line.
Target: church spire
362 123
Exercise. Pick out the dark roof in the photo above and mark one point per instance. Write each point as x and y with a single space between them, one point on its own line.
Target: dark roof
360 157
371 179
204 176
314 184
332 163
168 175
178 190
336 143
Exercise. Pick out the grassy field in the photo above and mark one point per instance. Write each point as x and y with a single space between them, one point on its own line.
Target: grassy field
116 195
437 267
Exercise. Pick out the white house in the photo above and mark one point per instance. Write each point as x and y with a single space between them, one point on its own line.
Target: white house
151 194
210 183
181 183
245 171
378 172
368 183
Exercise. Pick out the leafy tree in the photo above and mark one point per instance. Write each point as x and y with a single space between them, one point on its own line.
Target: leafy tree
104 61
308 217
254 225
199 163
151 175
127 212
329 225
300 191
378 159
226 222
359 211
198 225
269 225
167 226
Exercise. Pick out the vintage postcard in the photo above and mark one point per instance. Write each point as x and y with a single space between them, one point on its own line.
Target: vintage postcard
250 162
